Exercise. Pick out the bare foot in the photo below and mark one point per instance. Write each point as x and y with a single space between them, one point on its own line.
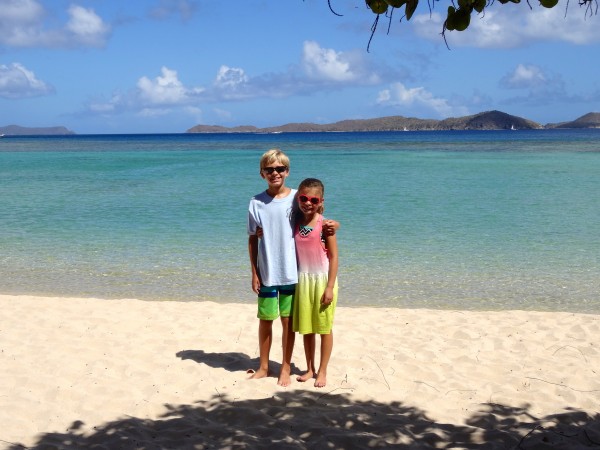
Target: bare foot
307 376
260 373
284 378
321 381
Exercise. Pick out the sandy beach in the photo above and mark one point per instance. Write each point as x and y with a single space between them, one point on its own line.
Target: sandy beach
125 374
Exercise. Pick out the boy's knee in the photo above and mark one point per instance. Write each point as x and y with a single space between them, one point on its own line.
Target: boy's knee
266 323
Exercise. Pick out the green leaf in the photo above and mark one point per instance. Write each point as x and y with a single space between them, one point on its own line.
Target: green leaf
411 5
479 5
463 19
377 6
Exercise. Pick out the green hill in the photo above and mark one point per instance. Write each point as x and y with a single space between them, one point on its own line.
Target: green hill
490 120
589 120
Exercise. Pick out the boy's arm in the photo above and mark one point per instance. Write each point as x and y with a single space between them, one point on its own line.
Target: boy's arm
332 254
253 252
330 227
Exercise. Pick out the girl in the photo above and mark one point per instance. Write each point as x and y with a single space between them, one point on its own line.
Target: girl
317 289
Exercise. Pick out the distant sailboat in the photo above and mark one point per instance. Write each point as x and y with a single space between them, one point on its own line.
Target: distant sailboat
512 127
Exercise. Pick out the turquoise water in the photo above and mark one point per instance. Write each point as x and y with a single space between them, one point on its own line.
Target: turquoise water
469 220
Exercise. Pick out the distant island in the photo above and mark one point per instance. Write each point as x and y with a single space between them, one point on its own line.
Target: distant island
16 130
590 120
489 120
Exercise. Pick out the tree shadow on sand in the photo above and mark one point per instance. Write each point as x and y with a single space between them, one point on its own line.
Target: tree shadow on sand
308 420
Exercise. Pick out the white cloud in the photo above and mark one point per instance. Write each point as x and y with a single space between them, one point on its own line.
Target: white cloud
330 66
152 97
230 78
20 22
418 99
553 25
22 25
232 83
166 90
20 11
86 26
524 76
325 63
18 18
540 88
113 105
324 69
320 69
384 97
514 25
18 82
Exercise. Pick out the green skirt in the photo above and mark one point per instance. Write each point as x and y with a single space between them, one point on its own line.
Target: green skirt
309 315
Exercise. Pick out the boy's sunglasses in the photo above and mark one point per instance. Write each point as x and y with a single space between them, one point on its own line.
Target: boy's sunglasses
313 200
278 169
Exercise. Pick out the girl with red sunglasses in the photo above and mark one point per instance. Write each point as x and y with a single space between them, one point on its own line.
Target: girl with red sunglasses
317 288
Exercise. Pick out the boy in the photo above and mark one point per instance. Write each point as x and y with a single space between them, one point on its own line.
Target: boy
273 259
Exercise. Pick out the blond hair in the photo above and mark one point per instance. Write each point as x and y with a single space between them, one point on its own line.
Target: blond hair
272 156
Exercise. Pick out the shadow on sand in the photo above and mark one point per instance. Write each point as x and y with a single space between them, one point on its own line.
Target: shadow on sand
308 420
232 361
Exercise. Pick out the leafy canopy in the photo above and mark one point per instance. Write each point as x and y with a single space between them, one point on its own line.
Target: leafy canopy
458 15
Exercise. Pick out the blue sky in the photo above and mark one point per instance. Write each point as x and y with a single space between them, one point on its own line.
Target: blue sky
163 66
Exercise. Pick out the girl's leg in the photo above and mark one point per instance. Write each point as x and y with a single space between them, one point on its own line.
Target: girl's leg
309 353
326 348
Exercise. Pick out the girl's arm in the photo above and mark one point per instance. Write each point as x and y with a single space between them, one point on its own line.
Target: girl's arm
332 254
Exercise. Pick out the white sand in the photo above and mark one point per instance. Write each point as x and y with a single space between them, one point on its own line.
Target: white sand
78 373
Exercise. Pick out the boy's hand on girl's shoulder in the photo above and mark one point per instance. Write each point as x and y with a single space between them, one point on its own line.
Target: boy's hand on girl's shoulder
330 226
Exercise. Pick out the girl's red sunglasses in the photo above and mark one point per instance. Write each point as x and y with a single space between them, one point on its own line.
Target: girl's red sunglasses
313 200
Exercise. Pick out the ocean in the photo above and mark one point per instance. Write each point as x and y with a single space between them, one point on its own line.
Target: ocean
490 220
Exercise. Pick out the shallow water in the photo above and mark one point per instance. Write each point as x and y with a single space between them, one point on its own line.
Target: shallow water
470 220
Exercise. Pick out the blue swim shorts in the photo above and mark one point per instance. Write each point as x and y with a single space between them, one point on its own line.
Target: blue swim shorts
275 301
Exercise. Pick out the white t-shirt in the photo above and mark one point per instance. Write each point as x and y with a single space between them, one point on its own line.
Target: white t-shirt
276 249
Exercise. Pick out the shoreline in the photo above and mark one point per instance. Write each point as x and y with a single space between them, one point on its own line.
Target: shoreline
248 299
167 374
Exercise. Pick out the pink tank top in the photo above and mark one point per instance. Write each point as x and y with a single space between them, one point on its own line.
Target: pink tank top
310 250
